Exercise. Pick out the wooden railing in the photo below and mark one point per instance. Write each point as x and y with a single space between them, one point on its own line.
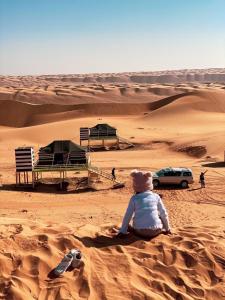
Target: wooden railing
64 167
102 173
125 141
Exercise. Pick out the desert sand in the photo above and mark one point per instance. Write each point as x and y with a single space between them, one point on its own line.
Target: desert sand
179 123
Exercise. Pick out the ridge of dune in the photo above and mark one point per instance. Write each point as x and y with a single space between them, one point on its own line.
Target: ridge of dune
192 104
166 76
201 100
91 93
187 265
199 118
18 114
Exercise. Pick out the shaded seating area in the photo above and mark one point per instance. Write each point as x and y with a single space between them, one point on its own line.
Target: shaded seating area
61 153
101 131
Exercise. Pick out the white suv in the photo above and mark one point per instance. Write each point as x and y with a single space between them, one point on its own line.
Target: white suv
181 176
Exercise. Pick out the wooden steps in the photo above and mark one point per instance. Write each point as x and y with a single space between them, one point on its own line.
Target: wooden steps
102 173
125 141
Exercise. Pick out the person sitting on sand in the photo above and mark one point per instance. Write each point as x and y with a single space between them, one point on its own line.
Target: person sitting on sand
150 215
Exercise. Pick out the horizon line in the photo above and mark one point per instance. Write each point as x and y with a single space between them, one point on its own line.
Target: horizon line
114 73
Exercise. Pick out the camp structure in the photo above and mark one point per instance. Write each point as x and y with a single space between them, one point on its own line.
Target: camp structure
59 156
24 157
101 132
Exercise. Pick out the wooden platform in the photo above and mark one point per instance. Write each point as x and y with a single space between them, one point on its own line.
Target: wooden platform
62 170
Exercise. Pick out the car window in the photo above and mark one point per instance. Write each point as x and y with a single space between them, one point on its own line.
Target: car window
160 173
171 173
177 173
168 173
187 174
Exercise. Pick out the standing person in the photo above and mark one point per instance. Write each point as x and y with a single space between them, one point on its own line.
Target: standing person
202 179
150 215
113 173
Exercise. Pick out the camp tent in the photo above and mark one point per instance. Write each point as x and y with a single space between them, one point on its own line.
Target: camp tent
62 152
102 130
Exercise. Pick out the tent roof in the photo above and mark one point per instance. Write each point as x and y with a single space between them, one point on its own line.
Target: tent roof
103 126
59 146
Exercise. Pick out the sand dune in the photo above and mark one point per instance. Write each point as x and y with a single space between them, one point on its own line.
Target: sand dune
185 113
18 114
194 114
71 94
201 101
167 76
170 125
187 265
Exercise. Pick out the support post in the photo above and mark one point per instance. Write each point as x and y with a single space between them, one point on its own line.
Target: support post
33 179
89 180
60 180
36 177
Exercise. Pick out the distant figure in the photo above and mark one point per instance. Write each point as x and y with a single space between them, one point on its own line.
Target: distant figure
149 214
202 179
113 174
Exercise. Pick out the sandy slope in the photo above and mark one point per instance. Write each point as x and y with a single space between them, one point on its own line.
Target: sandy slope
77 94
187 265
38 228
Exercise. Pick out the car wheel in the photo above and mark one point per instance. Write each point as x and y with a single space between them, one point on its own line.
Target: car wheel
184 184
155 183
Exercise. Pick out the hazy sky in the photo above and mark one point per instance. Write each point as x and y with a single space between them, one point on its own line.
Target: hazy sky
85 36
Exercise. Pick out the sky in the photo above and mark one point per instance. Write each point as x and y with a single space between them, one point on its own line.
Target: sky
110 36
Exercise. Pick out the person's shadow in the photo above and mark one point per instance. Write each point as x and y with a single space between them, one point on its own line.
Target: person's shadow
102 241
191 190
218 164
